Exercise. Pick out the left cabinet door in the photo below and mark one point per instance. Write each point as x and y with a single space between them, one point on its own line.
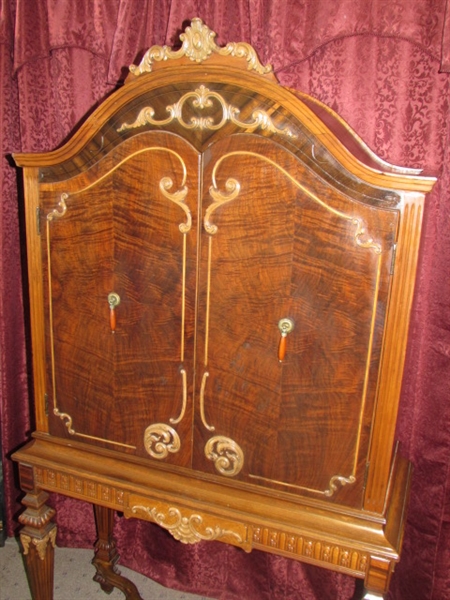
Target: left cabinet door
118 246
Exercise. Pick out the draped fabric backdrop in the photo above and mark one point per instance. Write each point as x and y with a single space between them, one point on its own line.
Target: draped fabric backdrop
384 66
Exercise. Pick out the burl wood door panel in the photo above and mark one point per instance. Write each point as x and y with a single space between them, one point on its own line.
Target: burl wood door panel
126 226
277 242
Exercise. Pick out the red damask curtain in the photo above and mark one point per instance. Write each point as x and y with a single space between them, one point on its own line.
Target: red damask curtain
384 66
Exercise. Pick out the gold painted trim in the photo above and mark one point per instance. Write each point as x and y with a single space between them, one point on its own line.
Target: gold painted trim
185 528
226 455
160 440
332 484
202 403
57 214
40 544
198 44
165 185
64 416
178 198
201 99
232 187
208 303
219 198
183 407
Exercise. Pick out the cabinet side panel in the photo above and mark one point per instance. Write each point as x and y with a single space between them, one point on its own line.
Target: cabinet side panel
33 231
394 356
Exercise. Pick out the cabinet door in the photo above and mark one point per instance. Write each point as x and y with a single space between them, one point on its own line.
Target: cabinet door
279 243
120 366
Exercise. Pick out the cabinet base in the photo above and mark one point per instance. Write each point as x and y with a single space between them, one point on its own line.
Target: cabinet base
364 545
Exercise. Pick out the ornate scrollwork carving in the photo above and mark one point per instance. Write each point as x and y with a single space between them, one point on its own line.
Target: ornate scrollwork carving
226 455
203 98
67 420
160 440
338 479
365 243
188 529
232 187
178 198
198 44
58 213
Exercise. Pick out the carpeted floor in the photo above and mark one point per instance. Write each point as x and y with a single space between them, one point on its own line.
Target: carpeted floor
73 578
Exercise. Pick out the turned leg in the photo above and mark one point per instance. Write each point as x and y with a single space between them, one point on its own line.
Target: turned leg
38 542
106 557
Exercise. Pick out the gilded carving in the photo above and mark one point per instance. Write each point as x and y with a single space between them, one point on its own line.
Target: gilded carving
188 529
202 403
202 98
178 198
67 420
338 479
198 44
361 239
232 187
333 484
40 545
160 440
365 243
184 405
57 214
226 455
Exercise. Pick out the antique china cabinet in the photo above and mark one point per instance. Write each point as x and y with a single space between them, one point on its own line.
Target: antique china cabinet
221 275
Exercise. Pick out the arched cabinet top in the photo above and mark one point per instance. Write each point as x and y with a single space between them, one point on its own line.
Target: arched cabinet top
204 92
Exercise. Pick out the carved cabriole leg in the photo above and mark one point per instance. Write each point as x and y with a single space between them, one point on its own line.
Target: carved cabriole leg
106 557
38 542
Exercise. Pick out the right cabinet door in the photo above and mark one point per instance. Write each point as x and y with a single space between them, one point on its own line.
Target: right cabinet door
287 410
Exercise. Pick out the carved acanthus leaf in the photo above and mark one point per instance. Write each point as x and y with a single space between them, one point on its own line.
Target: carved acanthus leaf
198 44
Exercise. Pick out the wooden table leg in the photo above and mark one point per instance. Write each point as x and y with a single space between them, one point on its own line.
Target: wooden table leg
106 557
38 541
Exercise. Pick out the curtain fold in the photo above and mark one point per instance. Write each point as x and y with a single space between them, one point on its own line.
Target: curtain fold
384 67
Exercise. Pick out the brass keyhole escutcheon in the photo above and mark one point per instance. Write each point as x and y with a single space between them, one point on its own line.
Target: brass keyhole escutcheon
285 326
113 301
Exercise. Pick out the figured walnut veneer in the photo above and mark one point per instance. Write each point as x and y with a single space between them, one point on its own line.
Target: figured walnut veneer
221 275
